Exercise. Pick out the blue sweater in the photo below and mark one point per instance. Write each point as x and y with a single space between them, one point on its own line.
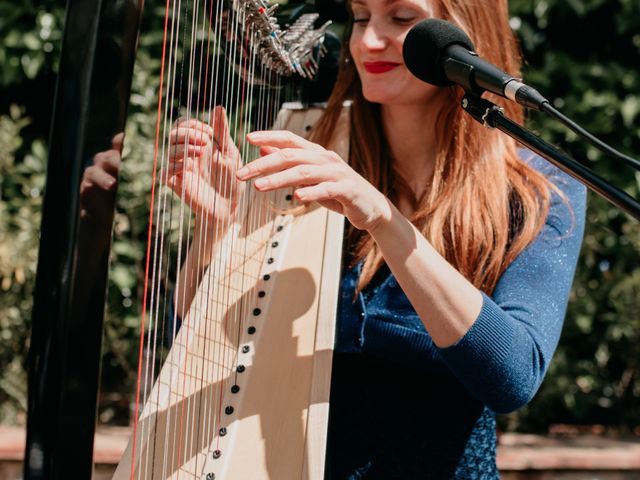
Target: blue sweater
402 408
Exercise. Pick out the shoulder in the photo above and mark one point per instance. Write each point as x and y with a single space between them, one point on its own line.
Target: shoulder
545 268
568 204
565 183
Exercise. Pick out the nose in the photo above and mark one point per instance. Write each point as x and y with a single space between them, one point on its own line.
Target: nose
374 36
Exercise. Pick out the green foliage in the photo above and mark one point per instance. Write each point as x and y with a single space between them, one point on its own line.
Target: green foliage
21 184
591 75
31 34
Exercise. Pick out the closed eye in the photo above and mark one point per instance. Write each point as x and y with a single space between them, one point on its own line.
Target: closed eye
404 20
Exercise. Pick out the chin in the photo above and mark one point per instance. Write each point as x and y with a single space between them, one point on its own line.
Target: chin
399 96
375 95
387 98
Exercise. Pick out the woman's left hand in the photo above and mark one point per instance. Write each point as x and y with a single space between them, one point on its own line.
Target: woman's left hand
317 174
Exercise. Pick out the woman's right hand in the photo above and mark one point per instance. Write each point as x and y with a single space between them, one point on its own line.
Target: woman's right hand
201 170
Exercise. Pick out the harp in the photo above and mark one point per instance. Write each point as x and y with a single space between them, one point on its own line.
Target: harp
243 391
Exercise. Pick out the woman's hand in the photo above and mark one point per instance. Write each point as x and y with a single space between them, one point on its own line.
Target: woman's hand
318 175
203 161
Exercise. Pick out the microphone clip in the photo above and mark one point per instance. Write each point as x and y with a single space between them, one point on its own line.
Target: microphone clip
492 116
481 110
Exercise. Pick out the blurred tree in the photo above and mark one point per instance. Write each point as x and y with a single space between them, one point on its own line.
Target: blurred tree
21 185
29 54
592 75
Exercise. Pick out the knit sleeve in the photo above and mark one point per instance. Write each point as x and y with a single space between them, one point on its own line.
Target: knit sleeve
502 359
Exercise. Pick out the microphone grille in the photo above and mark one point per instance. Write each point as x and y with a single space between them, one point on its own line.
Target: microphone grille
424 46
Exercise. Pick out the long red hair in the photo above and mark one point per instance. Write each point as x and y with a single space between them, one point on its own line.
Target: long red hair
484 205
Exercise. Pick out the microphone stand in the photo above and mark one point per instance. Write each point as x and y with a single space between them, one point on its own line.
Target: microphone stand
490 115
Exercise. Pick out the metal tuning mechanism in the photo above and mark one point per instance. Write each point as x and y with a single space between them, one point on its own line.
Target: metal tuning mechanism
285 52
301 41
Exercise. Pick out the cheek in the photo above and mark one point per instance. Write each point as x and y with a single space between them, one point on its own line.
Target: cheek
353 45
403 35
354 52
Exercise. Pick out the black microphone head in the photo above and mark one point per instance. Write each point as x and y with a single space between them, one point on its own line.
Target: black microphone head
424 47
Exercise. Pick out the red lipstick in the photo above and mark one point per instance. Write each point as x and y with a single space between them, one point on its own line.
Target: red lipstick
380 67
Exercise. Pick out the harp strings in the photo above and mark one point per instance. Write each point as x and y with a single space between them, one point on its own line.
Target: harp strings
207 417
142 361
185 412
164 214
194 422
164 223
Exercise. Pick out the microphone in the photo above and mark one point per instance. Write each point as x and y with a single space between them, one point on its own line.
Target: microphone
441 54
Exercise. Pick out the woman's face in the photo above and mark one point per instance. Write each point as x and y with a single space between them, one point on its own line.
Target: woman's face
379 29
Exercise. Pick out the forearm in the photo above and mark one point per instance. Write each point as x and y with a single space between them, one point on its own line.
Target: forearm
489 349
446 302
202 248
506 341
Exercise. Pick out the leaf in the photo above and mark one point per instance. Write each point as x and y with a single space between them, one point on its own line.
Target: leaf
127 249
16 111
39 150
32 41
31 64
13 39
629 109
123 277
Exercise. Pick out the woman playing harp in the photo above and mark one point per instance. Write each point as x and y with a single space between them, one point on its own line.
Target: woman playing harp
461 249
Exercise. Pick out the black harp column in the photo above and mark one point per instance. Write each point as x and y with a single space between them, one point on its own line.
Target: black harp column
92 94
